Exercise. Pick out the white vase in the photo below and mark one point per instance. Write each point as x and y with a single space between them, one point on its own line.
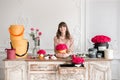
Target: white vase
109 54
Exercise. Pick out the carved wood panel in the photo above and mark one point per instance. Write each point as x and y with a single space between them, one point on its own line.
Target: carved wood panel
99 71
15 72
43 76
72 73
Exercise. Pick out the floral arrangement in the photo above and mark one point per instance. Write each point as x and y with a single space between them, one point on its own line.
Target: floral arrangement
77 59
61 47
41 51
100 39
35 34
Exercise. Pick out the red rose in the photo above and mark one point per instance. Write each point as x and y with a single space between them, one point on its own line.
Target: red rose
41 51
61 47
100 39
77 60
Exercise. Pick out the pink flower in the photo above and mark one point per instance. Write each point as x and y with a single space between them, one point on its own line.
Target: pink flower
61 47
35 36
32 29
41 51
40 33
37 30
77 59
100 39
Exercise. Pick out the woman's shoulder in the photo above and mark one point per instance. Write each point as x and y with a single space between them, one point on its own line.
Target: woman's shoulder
71 37
55 38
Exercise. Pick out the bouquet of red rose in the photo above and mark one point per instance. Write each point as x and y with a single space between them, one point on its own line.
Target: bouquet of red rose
101 39
77 59
41 53
61 48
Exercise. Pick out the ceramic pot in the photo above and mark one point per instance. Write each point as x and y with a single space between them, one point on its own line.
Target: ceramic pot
10 53
101 46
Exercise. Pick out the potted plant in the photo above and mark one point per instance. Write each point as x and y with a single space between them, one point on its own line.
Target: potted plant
101 44
101 40
41 53
35 35
61 48
78 61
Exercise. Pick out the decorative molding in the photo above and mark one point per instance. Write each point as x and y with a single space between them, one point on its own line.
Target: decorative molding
83 25
100 71
79 31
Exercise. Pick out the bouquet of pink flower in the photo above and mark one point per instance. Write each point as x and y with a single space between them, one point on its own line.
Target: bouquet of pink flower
35 34
61 48
101 39
77 59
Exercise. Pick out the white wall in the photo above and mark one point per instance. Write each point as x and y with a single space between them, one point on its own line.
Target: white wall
42 14
103 17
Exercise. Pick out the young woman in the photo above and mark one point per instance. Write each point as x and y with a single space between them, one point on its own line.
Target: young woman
63 37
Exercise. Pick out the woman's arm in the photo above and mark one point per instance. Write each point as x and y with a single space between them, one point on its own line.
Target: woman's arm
55 43
71 46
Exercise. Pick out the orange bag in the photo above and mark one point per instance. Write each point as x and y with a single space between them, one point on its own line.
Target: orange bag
17 40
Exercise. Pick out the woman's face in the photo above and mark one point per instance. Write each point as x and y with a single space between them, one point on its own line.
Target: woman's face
63 29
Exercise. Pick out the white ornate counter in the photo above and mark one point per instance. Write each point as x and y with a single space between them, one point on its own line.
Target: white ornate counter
29 69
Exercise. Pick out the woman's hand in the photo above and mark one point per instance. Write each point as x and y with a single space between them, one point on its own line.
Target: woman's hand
66 55
59 55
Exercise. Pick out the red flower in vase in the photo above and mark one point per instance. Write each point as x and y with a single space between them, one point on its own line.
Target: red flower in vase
100 39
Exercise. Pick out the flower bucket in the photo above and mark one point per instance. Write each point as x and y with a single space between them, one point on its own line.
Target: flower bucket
10 53
61 48
101 46
92 52
62 51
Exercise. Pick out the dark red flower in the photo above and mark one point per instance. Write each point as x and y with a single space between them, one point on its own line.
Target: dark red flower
41 51
101 39
61 47
77 59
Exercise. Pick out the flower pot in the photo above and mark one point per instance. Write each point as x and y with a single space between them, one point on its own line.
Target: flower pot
62 51
41 56
101 46
10 53
79 65
92 52
100 54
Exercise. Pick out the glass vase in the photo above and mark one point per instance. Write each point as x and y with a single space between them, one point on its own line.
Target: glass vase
36 47
34 51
